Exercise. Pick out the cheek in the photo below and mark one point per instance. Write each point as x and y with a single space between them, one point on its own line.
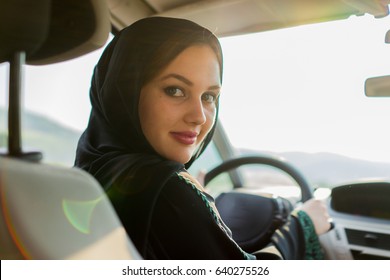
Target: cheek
148 119
149 108
154 126
156 121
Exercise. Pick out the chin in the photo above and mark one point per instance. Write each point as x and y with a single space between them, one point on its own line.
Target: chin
182 159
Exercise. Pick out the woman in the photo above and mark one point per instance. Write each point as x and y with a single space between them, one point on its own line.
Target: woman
154 98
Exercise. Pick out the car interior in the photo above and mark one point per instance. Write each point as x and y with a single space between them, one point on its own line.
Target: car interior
50 211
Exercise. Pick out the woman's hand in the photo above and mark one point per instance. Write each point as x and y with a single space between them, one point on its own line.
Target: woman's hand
316 210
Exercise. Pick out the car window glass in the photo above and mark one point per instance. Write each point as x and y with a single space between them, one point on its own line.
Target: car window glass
296 92
299 93
207 161
56 106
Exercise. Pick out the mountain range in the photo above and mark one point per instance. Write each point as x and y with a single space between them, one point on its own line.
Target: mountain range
327 169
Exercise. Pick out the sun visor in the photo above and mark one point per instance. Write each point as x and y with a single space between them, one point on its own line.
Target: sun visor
76 27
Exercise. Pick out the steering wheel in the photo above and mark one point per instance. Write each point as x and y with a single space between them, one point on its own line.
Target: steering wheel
254 218
265 160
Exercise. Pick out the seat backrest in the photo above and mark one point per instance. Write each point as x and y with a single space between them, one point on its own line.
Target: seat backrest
24 26
51 31
51 212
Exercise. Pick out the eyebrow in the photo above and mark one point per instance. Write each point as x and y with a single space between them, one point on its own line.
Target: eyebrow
185 80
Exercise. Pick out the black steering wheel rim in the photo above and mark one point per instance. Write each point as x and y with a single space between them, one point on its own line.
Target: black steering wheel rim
265 160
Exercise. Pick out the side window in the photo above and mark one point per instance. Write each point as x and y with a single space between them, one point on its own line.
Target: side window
3 111
207 161
56 106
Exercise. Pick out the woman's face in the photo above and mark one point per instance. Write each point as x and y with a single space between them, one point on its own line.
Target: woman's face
178 107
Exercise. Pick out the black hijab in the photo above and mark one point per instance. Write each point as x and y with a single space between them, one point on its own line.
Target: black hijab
113 148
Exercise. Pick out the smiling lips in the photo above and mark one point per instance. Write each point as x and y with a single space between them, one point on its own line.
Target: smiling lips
185 137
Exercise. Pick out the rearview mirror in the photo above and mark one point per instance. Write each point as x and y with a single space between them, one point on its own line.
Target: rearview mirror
377 86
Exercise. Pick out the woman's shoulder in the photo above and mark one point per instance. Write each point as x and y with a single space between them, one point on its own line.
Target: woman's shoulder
190 180
186 188
182 181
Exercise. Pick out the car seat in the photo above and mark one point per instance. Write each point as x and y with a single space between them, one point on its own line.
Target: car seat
51 212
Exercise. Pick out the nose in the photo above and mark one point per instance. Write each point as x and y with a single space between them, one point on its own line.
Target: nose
195 112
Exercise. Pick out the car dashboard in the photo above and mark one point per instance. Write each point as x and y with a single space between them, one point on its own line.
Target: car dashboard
361 214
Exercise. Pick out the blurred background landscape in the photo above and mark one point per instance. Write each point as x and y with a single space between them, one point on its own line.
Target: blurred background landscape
59 142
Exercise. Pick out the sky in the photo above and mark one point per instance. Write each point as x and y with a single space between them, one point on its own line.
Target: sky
295 89
306 88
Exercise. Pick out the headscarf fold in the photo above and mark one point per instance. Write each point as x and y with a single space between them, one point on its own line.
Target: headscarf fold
113 148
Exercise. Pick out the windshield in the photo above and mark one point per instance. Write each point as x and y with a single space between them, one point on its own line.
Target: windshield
297 92
302 89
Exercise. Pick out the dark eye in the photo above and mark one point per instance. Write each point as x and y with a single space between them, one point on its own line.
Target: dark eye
174 91
209 97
